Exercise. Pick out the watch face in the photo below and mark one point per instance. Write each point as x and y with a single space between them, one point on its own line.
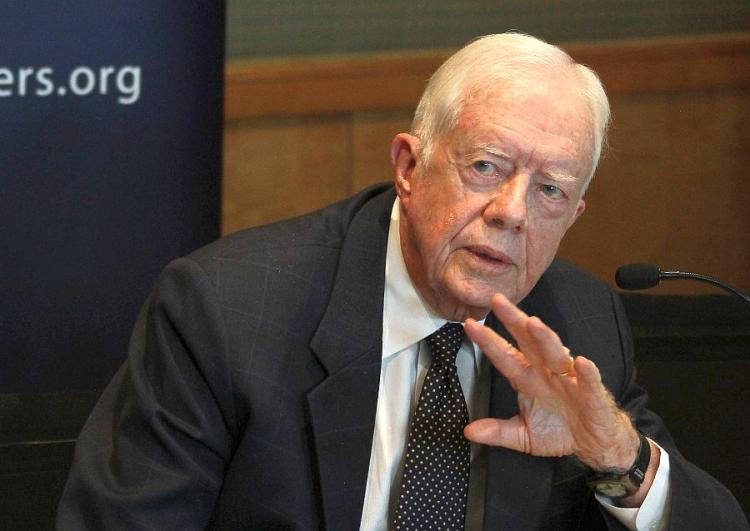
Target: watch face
611 489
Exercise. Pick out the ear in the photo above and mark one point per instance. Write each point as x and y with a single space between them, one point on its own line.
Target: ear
579 210
404 155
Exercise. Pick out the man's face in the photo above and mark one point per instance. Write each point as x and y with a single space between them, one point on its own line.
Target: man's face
488 211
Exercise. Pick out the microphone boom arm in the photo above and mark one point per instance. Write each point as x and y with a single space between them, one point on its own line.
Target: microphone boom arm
670 275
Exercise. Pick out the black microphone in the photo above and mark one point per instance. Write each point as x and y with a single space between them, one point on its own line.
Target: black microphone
642 276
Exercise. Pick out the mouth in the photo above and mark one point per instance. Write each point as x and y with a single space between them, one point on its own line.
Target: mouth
489 256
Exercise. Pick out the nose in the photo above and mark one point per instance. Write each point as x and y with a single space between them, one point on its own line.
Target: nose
508 207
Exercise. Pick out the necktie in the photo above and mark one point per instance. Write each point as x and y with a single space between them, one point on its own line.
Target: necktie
436 469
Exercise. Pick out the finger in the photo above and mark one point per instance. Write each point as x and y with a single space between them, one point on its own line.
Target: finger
540 344
505 357
508 433
589 377
514 320
549 349
511 315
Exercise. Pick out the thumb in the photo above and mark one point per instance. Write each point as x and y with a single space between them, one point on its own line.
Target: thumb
508 433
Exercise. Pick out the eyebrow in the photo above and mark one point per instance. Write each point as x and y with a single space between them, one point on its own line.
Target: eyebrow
492 150
560 176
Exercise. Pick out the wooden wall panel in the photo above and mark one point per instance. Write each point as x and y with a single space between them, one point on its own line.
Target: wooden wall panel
344 84
372 134
672 190
302 133
394 81
275 169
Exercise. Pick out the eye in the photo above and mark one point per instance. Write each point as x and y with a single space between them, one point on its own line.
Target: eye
485 168
551 191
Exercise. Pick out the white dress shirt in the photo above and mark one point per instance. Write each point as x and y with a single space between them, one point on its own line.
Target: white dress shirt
407 321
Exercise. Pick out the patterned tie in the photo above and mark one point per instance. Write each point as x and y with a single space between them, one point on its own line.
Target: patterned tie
436 469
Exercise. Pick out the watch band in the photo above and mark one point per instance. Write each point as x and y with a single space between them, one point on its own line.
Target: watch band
617 484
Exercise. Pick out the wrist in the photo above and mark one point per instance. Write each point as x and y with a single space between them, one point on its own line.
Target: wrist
637 499
616 454
626 485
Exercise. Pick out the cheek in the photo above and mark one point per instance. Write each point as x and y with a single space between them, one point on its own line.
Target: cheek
443 223
541 245
434 232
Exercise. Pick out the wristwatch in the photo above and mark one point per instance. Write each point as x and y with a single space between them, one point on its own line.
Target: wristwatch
616 484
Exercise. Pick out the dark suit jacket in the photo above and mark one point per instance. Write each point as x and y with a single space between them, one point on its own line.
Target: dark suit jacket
248 397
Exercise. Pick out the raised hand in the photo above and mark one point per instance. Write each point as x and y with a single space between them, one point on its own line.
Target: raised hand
563 406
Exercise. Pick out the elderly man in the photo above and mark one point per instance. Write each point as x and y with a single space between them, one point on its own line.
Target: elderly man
315 373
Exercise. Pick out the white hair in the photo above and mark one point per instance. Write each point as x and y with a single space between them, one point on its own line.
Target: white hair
509 59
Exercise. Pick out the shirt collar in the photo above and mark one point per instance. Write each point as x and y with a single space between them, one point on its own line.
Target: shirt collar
407 319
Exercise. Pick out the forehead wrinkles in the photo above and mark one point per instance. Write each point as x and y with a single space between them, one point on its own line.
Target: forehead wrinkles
556 113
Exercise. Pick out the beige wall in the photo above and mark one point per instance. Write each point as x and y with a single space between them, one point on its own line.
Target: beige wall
672 190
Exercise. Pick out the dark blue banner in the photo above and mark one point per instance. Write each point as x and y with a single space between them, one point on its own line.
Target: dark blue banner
110 160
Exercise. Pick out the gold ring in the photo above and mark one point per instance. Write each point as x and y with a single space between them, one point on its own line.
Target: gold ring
570 367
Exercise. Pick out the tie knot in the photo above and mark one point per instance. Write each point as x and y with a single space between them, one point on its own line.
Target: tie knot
446 342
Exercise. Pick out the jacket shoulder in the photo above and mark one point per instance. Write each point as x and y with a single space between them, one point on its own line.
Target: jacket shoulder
323 229
574 292
280 271
565 275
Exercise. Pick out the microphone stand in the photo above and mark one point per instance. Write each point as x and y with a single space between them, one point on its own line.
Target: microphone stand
644 276
670 275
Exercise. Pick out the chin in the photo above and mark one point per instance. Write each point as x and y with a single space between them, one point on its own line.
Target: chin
476 296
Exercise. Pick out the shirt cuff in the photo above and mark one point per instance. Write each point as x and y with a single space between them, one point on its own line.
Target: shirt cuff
653 514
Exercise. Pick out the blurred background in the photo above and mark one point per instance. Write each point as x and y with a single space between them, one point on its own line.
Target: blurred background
313 93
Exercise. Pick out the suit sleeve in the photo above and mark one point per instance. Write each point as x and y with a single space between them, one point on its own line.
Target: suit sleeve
698 501
153 452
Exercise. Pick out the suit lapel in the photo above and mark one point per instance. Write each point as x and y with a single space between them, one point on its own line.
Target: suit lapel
348 344
518 485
